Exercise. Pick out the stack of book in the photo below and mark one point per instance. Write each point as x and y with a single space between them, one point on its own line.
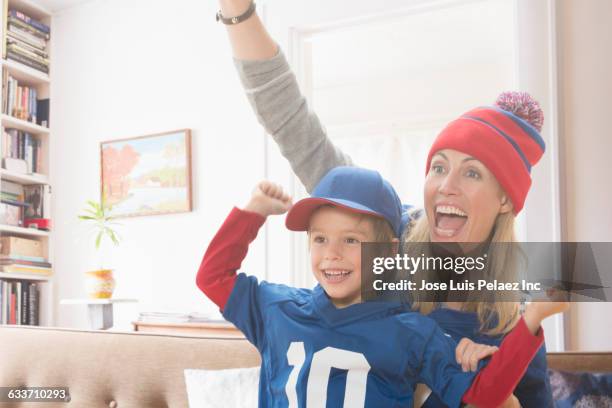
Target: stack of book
26 41
19 302
22 255
20 265
163 317
21 151
172 317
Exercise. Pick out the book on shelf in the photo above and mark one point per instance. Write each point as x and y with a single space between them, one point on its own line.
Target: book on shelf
26 47
17 144
22 258
27 61
29 20
23 262
4 196
13 189
19 302
26 36
19 49
11 40
29 28
26 269
42 112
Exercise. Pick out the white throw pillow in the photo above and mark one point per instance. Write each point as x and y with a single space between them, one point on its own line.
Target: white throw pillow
232 388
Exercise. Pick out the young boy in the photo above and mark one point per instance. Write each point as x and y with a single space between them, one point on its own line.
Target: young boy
324 347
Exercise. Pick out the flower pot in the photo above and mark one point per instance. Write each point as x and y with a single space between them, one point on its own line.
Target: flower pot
100 283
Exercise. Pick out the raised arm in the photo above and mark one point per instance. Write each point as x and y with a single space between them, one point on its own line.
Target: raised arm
274 94
217 273
249 39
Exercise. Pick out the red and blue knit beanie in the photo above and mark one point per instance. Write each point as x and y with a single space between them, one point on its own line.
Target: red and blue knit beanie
505 138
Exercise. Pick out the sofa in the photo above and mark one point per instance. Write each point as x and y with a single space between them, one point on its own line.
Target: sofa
112 369
141 370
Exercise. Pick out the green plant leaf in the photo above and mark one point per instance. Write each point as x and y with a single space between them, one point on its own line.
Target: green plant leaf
97 215
98 239
114 238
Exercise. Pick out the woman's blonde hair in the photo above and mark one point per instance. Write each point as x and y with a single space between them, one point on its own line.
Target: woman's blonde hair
495 317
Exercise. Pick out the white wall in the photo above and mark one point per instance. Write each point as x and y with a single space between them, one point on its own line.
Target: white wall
585 89
130 68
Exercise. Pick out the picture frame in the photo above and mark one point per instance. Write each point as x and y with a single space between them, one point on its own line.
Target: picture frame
147 175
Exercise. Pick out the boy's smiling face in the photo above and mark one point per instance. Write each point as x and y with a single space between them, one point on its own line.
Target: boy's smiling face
335 237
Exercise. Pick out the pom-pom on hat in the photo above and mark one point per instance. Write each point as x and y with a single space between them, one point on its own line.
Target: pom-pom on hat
354 189
504 137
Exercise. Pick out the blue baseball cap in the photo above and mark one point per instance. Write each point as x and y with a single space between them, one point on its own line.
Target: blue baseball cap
353 188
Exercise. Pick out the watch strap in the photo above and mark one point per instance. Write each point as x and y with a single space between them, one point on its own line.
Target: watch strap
237 19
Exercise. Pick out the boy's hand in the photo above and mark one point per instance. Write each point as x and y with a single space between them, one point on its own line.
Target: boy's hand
268 199
468 353
537 311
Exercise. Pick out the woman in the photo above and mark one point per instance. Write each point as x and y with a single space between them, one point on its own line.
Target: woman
472 194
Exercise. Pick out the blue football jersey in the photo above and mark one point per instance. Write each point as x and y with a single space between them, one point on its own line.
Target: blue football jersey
533 391
315 355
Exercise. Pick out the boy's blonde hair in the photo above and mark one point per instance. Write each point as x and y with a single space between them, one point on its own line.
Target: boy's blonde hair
383 232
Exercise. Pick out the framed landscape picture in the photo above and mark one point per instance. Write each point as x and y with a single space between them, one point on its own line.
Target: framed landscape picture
147 175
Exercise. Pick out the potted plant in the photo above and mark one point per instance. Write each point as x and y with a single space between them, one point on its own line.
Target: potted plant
100 282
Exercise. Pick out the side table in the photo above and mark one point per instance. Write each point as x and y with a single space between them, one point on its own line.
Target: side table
100 310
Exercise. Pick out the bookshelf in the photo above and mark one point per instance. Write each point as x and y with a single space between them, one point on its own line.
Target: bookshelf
40 82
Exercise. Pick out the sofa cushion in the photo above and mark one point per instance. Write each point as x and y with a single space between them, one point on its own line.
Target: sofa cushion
231 388
571 389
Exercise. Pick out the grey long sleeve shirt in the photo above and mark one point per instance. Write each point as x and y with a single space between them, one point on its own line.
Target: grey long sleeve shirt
275 96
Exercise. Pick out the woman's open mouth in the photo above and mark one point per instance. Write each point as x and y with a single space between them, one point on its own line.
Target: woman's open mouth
449 221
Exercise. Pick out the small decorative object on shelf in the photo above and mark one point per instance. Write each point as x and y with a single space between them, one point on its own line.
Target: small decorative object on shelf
100 283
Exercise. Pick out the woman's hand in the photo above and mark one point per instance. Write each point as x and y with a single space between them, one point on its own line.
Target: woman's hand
268 199
535 312
511 402
468 353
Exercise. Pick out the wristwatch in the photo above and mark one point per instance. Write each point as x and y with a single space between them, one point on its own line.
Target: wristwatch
237 19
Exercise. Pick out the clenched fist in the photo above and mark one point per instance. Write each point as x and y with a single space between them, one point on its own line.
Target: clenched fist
269 199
